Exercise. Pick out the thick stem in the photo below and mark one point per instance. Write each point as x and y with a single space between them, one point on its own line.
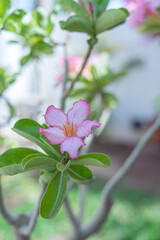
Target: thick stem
27 229
66 94
82 191
10 218
71 216
19 236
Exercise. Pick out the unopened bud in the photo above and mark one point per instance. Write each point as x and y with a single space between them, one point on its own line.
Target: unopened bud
90 8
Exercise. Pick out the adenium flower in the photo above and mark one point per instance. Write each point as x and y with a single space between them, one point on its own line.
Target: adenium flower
68 129
140 10
75 64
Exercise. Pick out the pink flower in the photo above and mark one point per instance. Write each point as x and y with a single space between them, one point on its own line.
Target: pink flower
140 10
69 129
75 64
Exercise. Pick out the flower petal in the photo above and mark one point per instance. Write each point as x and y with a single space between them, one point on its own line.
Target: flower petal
71 145
55 117
79 112
55 135
85 129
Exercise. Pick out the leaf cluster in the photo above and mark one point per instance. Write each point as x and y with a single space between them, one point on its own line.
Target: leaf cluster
36 35
88 89
92 23
151 25
55 167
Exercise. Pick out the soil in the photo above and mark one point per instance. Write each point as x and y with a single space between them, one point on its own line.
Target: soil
145 173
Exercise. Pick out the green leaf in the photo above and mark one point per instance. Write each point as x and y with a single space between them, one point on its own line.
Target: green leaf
44 47
110 19
99 6
78 24
78 92
4 7
29 129
152 25
11 109
54 195
40 17
51 22
109 100
10 161
25 59
63 167
46 176
38 161
92 159
13 22
55 149
16 15
32 31
80 174
72 6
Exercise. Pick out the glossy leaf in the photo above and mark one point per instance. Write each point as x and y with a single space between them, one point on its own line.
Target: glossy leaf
110 19
77 24
92 159
10 161
38 161
80 174
54 195
29 129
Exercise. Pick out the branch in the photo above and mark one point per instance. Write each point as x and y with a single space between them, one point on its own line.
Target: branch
82 190
27 230
96 222
79 74
65 76
7 216
71 216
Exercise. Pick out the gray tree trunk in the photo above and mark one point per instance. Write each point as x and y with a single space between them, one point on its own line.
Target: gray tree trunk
19 236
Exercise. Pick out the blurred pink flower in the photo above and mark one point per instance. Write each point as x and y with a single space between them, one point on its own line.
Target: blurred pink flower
140 10
75 64
69 129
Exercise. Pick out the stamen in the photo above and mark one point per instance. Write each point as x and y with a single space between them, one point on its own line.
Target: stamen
69 130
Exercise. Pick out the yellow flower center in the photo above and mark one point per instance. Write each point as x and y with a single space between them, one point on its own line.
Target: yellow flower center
70 130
